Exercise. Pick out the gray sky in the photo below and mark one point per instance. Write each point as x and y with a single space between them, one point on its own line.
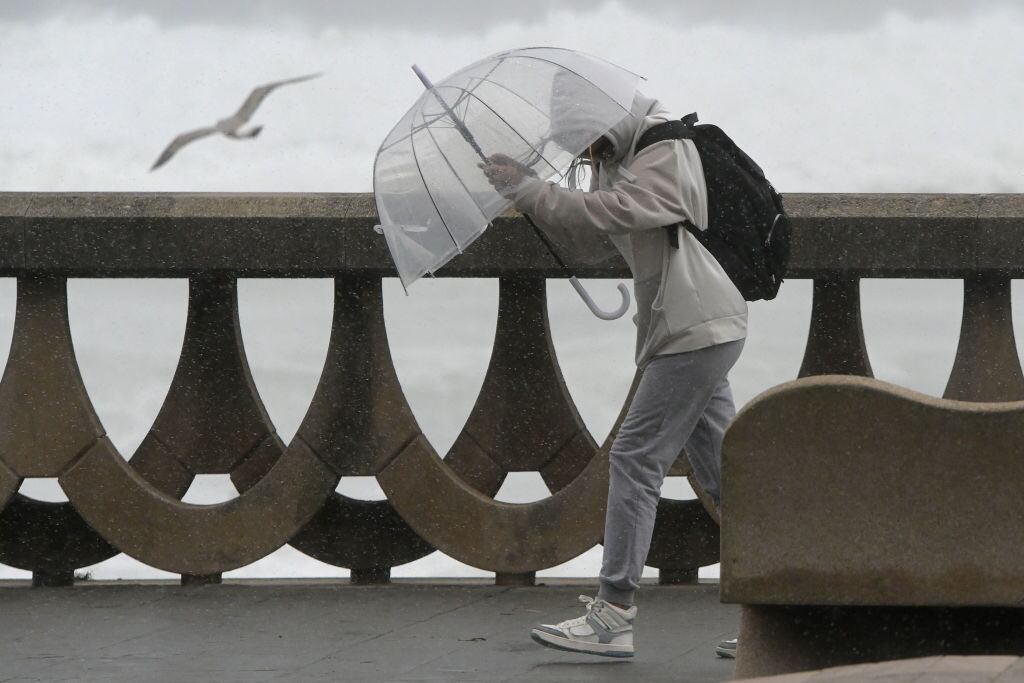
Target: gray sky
471 15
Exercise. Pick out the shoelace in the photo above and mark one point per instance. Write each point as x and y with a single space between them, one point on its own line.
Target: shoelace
591 604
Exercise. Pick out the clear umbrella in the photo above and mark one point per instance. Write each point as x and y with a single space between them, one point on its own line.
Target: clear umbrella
433 200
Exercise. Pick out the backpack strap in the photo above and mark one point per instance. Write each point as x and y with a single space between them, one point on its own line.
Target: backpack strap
670 130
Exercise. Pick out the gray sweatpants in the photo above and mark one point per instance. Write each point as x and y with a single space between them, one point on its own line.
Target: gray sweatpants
683 399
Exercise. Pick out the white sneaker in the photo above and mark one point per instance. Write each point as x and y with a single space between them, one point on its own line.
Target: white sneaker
727 649
604 630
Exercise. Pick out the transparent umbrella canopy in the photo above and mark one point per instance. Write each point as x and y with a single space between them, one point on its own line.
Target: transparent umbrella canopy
432 198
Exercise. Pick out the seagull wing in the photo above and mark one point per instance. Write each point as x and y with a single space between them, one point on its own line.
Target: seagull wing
180 142
257 96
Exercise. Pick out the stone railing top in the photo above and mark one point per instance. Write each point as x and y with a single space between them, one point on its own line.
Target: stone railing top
319 235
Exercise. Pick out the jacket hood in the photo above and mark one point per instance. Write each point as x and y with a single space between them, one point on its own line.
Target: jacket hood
624 134
577 120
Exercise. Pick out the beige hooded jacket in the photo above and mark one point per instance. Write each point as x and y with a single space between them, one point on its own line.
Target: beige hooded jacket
685 301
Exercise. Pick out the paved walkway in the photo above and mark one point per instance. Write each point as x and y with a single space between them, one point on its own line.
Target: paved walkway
948 669
324 631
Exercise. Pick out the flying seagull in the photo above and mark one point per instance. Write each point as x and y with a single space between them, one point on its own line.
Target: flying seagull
230 126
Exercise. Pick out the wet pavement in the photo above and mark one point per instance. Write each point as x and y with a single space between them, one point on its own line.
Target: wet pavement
329 631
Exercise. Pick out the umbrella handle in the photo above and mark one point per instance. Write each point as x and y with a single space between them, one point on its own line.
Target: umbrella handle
603 315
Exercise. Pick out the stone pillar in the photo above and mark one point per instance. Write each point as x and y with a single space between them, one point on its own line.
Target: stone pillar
987 367
835 341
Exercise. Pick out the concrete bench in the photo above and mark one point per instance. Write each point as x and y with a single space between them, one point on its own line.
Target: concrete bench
865 522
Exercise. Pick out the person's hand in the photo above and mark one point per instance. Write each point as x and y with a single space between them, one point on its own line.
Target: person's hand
503 172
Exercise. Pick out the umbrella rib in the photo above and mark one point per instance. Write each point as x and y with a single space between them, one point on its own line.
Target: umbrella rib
430 195
521 52
507 124
468 91
575 73
535 108
413 131
455 173
427 124
512 92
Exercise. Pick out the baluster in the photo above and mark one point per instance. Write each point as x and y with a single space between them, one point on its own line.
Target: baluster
987 367
523 420
46 420
357 421
835 342
212 422
212 417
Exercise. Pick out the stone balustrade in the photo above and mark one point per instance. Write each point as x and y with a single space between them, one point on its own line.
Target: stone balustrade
359 422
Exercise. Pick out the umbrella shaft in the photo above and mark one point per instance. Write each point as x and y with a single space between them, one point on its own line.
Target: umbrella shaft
544 239
459 125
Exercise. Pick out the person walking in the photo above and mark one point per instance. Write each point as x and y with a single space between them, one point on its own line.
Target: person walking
691 325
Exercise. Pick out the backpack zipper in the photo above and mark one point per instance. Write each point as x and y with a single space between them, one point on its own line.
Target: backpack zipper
768 239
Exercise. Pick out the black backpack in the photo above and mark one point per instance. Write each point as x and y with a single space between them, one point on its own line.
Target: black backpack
748 230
